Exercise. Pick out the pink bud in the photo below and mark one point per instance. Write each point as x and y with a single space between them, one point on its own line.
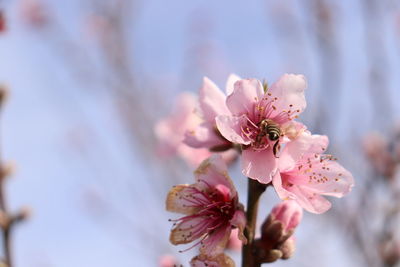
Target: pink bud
278 228
289 213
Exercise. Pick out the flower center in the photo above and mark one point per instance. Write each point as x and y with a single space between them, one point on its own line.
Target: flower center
215 210
263 133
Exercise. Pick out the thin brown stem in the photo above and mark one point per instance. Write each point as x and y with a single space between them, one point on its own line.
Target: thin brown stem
6 224
7 220
254 191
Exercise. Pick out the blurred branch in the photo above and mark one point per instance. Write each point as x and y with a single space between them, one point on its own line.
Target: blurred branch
378 62
325 31
8 221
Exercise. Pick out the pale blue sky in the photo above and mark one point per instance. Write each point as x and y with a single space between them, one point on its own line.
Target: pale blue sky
49 112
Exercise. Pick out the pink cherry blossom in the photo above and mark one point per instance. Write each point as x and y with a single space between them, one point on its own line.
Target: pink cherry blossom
260 120
305 177
211 104
170 131
210 206
220 260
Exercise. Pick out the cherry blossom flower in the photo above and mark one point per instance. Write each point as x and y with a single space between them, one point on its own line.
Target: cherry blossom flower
210 206
211 104
220 260
304 174
261 119
170 131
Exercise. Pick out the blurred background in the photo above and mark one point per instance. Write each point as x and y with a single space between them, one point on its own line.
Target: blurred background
88 79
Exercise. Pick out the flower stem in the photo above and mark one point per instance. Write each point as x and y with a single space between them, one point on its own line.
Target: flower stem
254 191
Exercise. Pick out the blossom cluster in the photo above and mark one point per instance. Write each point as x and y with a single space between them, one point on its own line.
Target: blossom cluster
259 124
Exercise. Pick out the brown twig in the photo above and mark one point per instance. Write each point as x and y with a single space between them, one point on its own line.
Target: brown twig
254 191
7 220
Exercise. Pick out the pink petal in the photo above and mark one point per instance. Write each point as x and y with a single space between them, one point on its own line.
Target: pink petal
234 242
170 131
258 165
305 143
311 202
232 79
292 130
204 136
192 156
308 200
289 91
177 200
230 127
212 101
245 94
330 178
178 121
229 156
279 188
212 172
216 242
239 221
224 191
188 231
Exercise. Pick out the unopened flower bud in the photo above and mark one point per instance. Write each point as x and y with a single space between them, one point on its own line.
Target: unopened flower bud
276 241
281 222
288 248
